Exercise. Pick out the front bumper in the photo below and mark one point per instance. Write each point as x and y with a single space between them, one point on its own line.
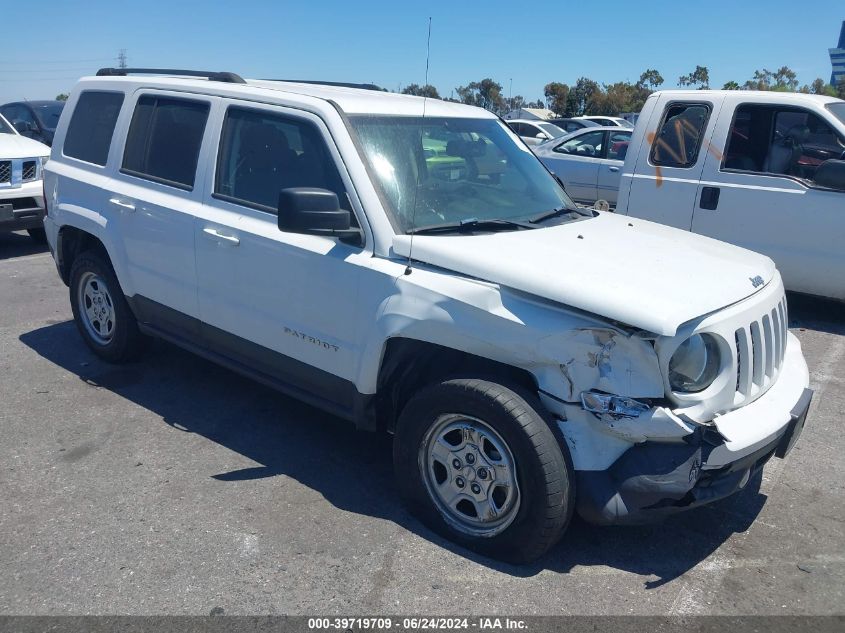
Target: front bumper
22 207
652 479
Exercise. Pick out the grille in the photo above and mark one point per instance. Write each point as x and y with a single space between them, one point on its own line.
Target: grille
5 171
760 347
28 170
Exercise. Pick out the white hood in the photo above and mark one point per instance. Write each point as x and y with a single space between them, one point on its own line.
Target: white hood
647 275
17 146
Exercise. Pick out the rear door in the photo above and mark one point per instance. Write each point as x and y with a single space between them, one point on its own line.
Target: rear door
761 193
155 194
577 161
671 158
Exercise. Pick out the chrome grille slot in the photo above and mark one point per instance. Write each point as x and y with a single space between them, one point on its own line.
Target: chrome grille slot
768 346
757 354
28 170
5 171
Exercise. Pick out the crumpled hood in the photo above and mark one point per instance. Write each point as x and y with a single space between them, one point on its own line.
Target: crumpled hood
640 273
17 146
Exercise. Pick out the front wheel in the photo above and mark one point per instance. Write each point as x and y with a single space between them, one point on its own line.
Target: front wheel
478 463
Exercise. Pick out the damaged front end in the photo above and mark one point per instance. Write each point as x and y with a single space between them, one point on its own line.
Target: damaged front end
637 455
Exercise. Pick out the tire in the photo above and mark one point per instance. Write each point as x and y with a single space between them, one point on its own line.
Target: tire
39 236
484 419
100 310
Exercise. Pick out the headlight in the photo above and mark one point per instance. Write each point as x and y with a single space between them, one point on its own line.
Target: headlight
695 364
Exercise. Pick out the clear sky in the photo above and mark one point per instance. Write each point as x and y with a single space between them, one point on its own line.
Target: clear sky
532 43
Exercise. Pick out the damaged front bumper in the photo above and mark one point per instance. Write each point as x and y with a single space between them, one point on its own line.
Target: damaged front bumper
648 477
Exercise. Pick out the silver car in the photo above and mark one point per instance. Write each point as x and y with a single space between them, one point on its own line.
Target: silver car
588 161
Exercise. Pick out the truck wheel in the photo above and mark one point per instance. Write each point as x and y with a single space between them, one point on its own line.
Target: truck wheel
479 464
102 315
39 236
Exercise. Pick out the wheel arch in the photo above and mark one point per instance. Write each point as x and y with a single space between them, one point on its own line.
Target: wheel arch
409 364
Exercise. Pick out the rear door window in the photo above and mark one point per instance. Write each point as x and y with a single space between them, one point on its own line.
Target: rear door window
679 137
91 127
164 140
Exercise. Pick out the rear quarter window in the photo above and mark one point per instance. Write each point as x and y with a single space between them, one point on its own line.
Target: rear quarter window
91 127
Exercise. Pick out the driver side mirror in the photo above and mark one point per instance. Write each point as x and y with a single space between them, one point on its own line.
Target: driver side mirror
314 212
542 136
831 174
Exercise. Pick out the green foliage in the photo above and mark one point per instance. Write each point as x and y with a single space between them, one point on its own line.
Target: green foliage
421 91
699 78
61 97
731 85
486 94
557 95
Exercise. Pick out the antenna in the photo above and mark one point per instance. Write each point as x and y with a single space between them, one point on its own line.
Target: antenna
417 186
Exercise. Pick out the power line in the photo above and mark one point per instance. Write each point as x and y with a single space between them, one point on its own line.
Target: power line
65 61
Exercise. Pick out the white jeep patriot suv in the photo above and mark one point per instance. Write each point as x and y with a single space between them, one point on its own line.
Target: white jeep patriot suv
409 265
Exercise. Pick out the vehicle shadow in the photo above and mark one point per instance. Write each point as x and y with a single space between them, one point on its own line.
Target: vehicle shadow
353 470
19 244
816 313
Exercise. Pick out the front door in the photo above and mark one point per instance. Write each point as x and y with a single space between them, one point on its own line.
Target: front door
762 195
284 304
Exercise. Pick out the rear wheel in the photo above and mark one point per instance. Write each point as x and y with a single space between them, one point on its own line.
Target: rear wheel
100 310
478 463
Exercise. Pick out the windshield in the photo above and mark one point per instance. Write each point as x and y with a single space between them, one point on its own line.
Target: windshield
454 169
48 114
552 129
5 126
626 123
838 110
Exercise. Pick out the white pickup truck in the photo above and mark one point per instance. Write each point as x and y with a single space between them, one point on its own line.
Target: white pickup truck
764 170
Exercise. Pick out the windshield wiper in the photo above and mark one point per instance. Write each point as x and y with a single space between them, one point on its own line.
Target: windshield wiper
548 215
469 225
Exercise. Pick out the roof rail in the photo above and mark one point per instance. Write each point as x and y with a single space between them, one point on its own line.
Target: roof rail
226 77
340 84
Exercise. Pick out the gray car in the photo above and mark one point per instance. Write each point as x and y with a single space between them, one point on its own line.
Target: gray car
589 162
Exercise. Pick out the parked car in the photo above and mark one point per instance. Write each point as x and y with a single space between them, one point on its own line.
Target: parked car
535 132
530 357
21 193
34 119
573 125
589 162
764 170
607 121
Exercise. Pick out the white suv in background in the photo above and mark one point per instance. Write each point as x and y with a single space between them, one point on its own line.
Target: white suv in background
530 357
21 192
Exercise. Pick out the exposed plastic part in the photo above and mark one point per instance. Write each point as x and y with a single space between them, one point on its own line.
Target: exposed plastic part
616 406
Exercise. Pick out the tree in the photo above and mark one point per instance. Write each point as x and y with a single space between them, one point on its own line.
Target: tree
486 94
61 97
556 95
783 79
516 103
421 91
536 104
731 85
584 92
700 78
650 80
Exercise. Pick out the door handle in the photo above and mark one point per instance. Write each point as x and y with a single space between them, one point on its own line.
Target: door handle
709 198
214 234
124 206
613 168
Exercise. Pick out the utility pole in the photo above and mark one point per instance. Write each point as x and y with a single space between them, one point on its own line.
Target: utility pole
121 58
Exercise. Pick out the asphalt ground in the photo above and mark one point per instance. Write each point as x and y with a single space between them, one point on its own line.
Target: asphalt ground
173 486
